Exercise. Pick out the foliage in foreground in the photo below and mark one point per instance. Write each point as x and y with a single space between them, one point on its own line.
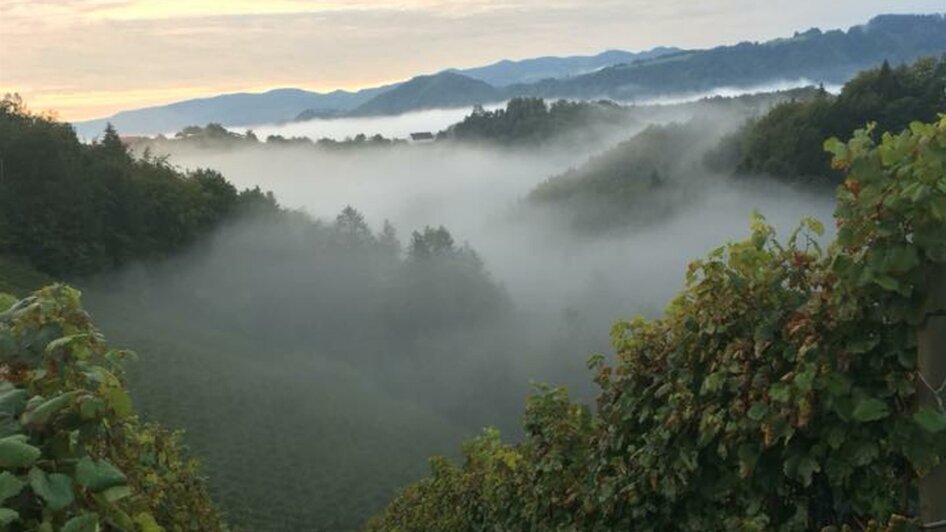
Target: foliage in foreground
73 455
777 393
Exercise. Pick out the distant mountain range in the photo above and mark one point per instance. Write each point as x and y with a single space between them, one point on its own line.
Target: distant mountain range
828 57
229 110
451 88
506 72
831 57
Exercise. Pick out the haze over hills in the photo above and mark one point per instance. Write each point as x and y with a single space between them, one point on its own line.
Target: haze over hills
812 56
504 73
229 110
297 104
827 57
446 89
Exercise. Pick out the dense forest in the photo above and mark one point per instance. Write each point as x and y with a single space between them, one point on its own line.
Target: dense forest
786 142
532 121
74 209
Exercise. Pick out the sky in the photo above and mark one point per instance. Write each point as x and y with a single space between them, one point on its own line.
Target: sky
91 58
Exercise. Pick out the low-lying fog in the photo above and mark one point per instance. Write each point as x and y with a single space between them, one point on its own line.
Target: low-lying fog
399 126
479 195
730 92
293 359
433 120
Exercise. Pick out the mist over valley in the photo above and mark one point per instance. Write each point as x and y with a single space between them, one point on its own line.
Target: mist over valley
678 288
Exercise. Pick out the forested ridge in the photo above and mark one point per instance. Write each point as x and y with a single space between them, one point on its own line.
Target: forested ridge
525 121
75 209
639 179
829 56
786 142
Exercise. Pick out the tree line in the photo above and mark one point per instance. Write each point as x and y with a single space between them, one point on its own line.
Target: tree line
75 209
531 121
786 142
214 135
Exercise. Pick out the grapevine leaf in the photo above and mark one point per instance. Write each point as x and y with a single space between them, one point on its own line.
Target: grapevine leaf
930 419
757 411
55 488
12 401
98 475
117 493
870 410
15 452
10 486
8 516
44 411
88 522
146 523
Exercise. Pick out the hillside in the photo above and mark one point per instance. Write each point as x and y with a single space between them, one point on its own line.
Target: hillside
658 172
71 209
446 89
828 57
638 180
239 109
815 56
641 180
506 72
786 142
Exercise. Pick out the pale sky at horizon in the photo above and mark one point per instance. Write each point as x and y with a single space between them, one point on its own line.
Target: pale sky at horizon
91 58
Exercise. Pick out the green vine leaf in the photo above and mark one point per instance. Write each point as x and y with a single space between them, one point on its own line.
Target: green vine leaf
868 410
87 522
15 452
10 486
8 516
930 419
98 475
55 488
